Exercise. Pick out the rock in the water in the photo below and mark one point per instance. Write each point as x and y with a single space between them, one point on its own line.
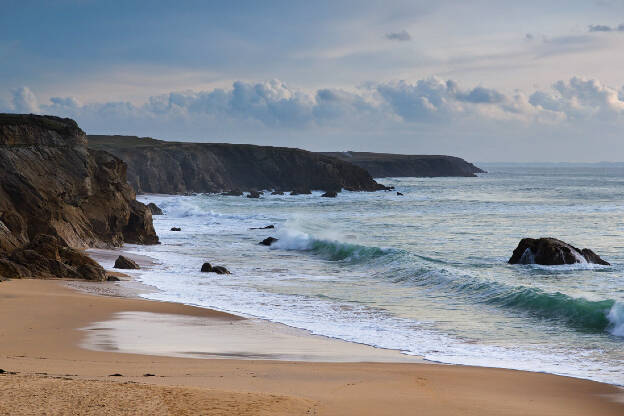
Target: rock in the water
154 209
268 241
176 229
300 192
125 263
208 268
277 193
550 251
399 194
330 194
233 192
253 194
220 270
268 227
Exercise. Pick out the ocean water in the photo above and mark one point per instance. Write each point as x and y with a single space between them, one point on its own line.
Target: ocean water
425 273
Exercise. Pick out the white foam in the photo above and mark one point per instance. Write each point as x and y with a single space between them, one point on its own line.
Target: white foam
616 319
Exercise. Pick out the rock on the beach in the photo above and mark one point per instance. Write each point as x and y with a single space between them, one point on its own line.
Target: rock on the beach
125 263
155 209
550 251
112 278
208 268
330 194
268 241
176 229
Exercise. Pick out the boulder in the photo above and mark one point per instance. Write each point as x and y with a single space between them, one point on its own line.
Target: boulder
208 268
125 263
268 241
220 270
253 194
154 209
399 194
330 194
550 251
111 278
176 229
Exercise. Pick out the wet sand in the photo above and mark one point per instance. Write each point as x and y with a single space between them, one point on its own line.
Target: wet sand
46 325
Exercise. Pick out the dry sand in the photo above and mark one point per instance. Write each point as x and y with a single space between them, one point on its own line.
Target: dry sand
40 340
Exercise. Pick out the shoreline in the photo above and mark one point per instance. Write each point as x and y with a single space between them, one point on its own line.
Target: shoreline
41 342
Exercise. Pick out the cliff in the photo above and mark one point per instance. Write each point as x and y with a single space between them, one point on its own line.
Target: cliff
382 165
156 166
56 195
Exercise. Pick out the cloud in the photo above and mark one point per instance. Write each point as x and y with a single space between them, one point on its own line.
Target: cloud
605 28
248 109
599 28
401 36
24 101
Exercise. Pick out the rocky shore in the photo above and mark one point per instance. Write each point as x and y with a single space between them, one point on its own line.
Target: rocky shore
57 196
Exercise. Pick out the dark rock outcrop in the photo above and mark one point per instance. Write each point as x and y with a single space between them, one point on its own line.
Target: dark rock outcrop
384 165
176 229
154 209
52 185
175 168
46 256
253 194
330 194
268 241
550 251
208 268
300 191
125 263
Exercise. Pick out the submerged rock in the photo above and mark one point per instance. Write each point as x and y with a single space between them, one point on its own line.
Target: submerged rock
125 263
154 209
268 241
330 194
268 227
550 251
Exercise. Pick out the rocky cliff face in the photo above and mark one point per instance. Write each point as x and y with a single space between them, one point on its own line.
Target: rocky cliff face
156 166
383 165
52 185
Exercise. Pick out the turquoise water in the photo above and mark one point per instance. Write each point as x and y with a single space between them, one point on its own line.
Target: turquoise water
425 273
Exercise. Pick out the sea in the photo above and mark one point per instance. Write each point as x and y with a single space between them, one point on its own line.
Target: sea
425 273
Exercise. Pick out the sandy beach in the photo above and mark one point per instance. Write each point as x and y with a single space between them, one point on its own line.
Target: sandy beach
48 370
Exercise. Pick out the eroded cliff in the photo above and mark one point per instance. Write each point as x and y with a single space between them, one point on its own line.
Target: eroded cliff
157 166
383 165
56 196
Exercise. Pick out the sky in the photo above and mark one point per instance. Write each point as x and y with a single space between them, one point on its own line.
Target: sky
489 81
